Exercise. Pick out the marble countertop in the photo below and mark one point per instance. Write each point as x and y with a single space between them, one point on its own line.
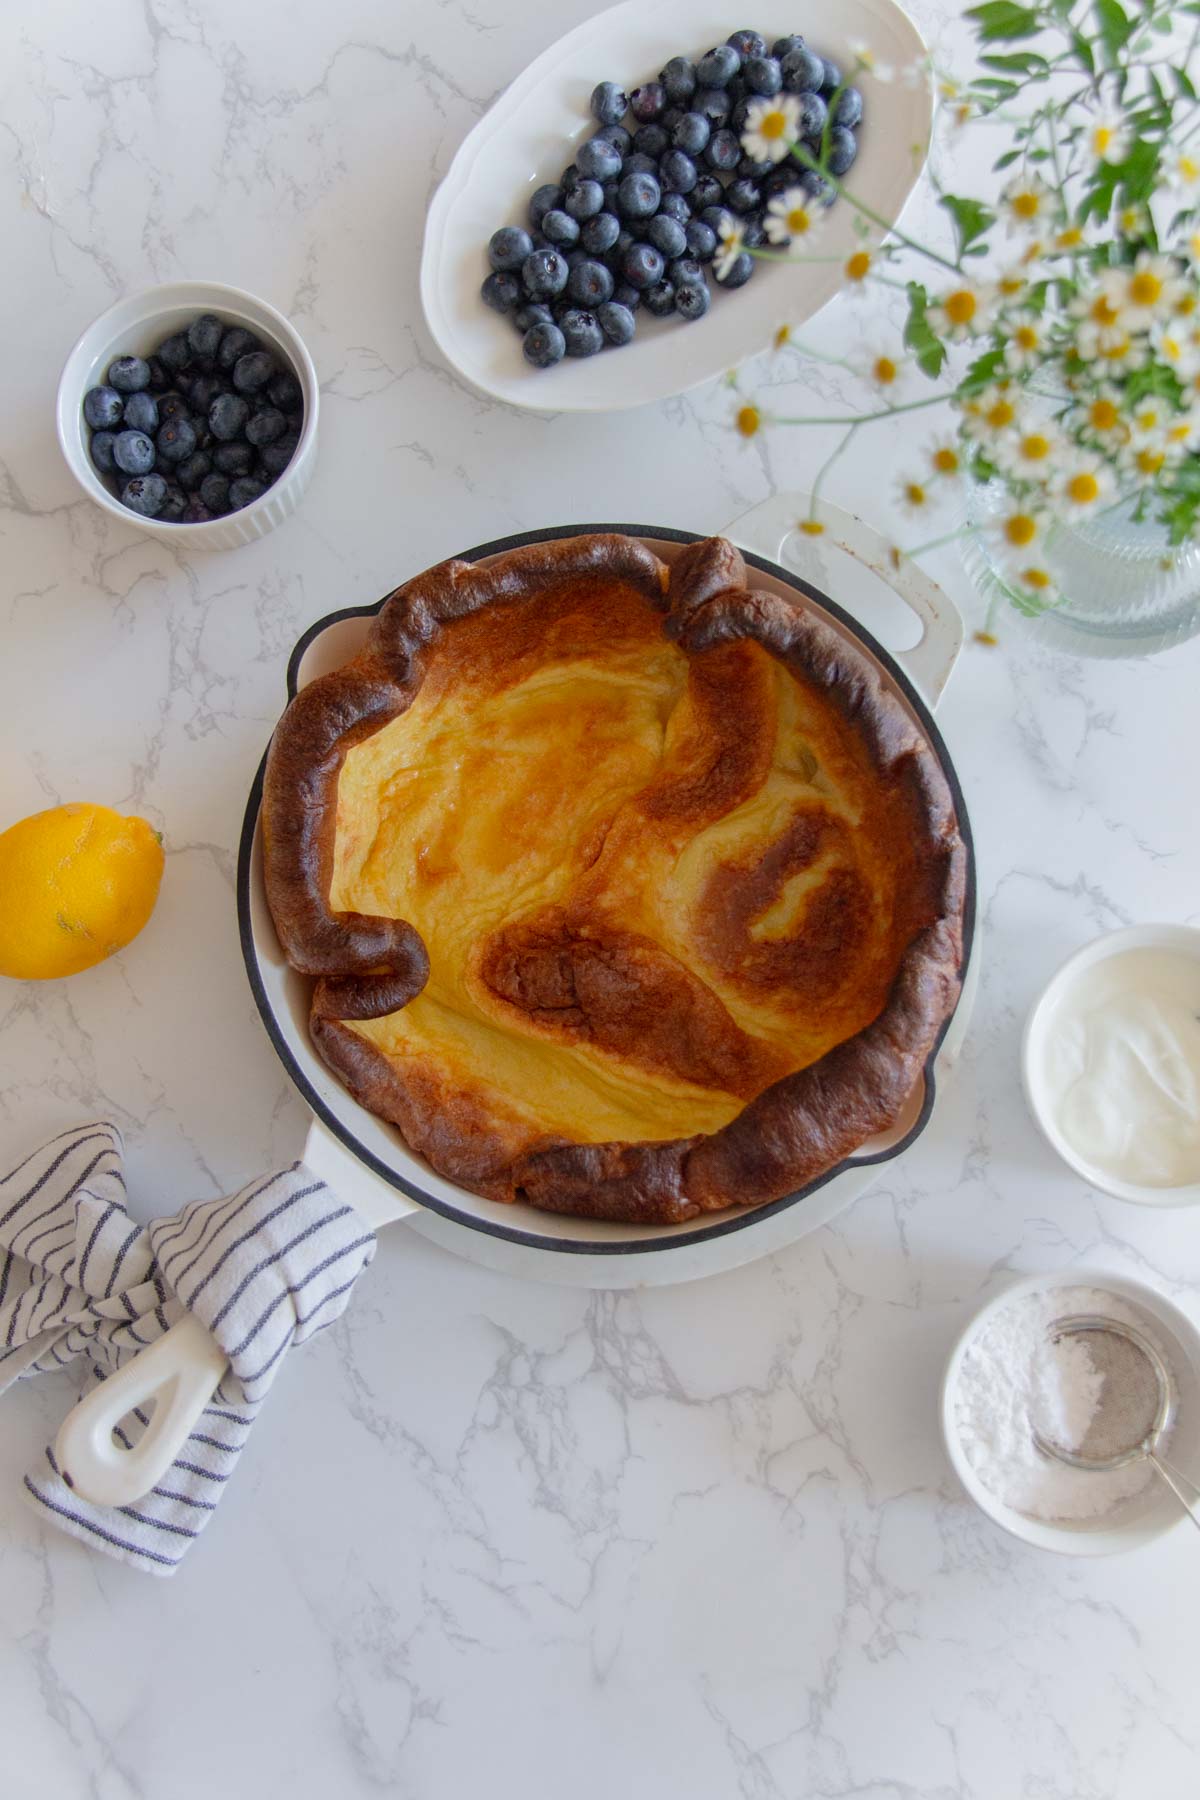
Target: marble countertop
697 1541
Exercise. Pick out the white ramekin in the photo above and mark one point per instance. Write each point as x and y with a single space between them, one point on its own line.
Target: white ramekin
136 326
1152 1512
1183 940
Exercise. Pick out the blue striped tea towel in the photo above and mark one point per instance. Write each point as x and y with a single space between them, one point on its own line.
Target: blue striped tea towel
263 1269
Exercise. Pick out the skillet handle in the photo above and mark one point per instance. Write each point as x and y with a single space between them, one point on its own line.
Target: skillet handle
768 529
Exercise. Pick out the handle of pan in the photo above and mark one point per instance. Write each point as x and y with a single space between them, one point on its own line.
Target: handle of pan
767 529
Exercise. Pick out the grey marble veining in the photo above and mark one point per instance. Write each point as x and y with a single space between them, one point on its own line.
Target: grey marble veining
493 1535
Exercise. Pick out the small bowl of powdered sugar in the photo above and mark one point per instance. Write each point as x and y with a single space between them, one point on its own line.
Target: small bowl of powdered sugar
1011 1379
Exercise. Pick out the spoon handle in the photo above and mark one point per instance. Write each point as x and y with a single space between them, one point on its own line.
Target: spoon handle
1179 1483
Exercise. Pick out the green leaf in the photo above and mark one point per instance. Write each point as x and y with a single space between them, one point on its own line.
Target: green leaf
1007 160
1083 51
1019 62
919 335
1184 83
1115 27
981 371
1004 19
972 219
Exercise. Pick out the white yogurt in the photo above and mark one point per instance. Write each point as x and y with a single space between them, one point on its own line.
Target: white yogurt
1121 1066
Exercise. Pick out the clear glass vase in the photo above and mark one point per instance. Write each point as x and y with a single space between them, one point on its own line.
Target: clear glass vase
1126 590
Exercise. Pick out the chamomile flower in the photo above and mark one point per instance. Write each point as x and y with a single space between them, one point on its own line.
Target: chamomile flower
1120 353
792 217
1030 452
1106 139
1131 221
1102 417
945 458
732 245
1173 344
857 266
1183 429
1149 292
1183 175
1148 419
991 413
867 63
772 127
1019 527
1027 203
1026 344
748 421
1146 458
913 496
884 371
1098 313
1069 239
1036 581
1011 285
960 313
1191 248
1083 487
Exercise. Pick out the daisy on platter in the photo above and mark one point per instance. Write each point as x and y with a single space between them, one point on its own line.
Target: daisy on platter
1027 202
858 266
962 312
732 243
794 218
771 128
867 63
1084 487
1106 137
1028 343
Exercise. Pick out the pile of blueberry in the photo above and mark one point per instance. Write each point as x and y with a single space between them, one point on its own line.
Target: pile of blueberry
636 219
200 428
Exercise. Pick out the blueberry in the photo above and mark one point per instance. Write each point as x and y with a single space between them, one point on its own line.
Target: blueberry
583 202
639 164
718 219
715 104
101 449
544 273
803 71
643 266
701 240
685 271
817 187
141 412
133 452
718 68
581 332
174 353
102 408
616 322
286 392
707 192
647 101
145 494
756 172
174 503
500 291
678 80
227 417
267 424
692 300
660 299
723 150
191 473
677 172
742 196
600 234
618 137
813 114
779 181
763 75
667 235
214 493
609 103
625 242
253 371
739 118
843 148
785 45
244 491
204 336
508 247
176 440
627 296
739 271
160 381
849 109
129 374
675 206
236 343
638 196
597 160
544 345
590 283
543 200
651 140
172 406
747 43
560 228
692 133
670 117
276 457
197 513
832 76
754 232
531 314
203 390
568 179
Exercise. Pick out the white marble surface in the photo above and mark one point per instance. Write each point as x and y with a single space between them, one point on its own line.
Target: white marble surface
492 1536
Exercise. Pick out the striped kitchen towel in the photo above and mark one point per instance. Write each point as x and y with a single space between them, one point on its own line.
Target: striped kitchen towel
263 1269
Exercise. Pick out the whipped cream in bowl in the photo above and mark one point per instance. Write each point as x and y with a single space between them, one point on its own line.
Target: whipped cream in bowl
1111 1064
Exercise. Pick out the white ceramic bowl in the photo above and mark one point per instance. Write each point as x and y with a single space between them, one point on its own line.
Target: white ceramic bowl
1182 940
136 326
1152 1512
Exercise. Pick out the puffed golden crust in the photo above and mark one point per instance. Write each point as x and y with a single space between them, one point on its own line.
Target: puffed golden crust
685 880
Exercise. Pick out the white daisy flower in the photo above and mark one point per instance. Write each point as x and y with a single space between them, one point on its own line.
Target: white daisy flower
772 127
1106 138
793 216
1037 582
1019 527
1084 487
1191 248
961 313
1151 289
867 63
1183 174
732 245
1183 429
883 370
1011 285
1117 353
1069 240
1149 455
945 458
913 497
1173 345
1027 202
1102 416
1031 452
1026 344
990 414
1131 221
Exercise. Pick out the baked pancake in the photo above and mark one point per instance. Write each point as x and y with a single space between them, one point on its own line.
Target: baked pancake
629 891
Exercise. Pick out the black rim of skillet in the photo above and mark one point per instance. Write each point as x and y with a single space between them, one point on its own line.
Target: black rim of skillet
735 1221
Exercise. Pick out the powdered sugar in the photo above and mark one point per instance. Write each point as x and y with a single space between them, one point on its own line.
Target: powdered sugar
1014 1380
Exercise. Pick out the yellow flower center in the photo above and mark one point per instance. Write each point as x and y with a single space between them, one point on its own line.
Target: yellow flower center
783 336
1027 203
1020 529
1179 434
1129 220
1149 462
1186 304
1083 489
962 112
1036 447
987 638
1102 310
960 306
1103 415
773 125
1070 238
1102 139
914 493
1147 419
1025 338
1009 285
945 460
1036 578
813 527
884 370
1000 414
858 265
1145 288
1189 168
749 420
1117 351
799 220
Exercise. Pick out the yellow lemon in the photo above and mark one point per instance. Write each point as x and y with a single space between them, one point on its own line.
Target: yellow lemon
76 884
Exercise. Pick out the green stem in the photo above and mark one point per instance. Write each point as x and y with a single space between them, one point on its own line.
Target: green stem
828 464
885 412
805 156
950 537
